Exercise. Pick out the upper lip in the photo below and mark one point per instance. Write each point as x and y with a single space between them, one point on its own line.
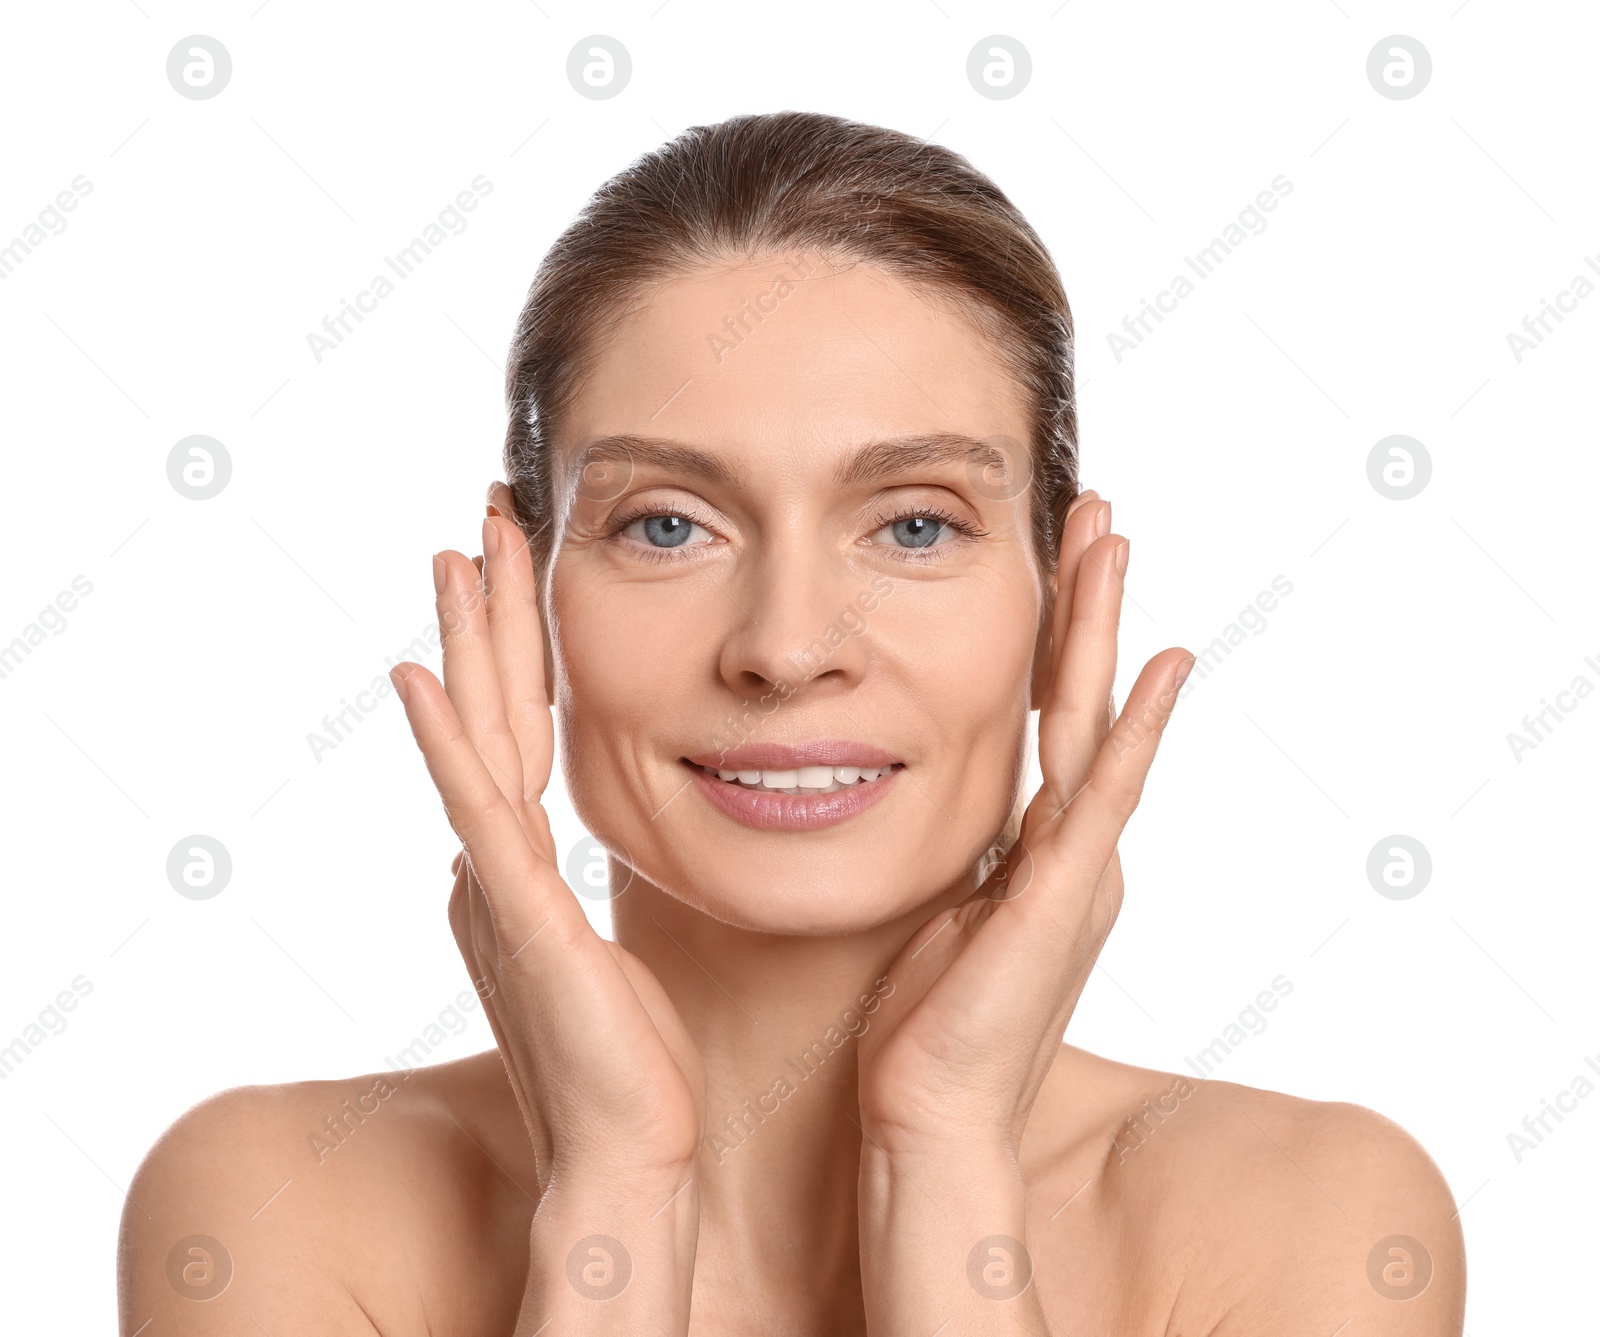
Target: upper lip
790 756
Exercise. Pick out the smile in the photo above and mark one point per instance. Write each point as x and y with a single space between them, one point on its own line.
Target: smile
803 780
774 787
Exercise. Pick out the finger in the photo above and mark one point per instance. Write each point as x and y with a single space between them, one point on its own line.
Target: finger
1072 844
1088 518
1072 724
1068 851
1107 899
1026 958
1038 945
1082 499
458 908
525 891
516 633
471 674
474 935
473 927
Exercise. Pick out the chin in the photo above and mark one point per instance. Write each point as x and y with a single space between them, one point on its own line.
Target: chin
855 876
811 895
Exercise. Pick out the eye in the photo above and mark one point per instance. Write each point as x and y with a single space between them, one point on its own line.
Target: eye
924 528
917 531
665 531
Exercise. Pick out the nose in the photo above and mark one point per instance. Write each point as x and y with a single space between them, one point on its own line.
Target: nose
801 620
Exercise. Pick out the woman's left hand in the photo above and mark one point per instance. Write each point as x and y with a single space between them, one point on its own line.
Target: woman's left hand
983 992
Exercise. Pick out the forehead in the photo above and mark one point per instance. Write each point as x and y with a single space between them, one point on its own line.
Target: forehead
791 354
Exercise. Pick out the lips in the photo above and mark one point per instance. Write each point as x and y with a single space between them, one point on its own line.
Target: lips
791 756
804 781
795 787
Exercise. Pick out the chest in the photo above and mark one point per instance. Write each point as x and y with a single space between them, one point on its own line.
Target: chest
1099 1261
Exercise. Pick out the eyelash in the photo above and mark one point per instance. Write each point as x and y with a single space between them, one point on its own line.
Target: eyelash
651 553
965 528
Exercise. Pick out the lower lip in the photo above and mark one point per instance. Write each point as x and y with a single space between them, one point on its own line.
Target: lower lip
767 811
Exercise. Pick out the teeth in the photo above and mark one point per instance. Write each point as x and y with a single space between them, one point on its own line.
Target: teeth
803 779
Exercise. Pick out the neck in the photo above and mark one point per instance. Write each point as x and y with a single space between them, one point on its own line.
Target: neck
777 1021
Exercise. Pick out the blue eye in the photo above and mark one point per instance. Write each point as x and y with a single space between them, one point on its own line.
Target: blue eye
921 530
665 531
917 531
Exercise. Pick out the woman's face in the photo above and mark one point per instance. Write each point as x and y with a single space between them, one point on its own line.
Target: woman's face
800 556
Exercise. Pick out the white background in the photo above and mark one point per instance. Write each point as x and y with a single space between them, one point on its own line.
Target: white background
1233 442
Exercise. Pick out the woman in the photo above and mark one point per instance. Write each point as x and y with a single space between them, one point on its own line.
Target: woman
792 510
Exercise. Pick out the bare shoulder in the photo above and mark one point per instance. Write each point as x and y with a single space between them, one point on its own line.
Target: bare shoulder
1270 1210
324 1204
1319 1209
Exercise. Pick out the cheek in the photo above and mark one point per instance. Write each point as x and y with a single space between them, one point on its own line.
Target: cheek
605 683
960 654
969 641
599 663
631 663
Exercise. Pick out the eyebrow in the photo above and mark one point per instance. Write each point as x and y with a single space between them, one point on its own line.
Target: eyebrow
869 463
670 456
884 459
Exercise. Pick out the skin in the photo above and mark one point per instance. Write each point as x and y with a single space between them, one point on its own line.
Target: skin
951 1113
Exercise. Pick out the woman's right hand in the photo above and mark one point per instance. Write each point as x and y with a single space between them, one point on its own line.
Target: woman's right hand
608 1080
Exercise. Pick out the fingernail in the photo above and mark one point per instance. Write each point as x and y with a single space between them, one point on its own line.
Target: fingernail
1082 499
400 689
1102 520
1183 671
438 574
1121 558
491 539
